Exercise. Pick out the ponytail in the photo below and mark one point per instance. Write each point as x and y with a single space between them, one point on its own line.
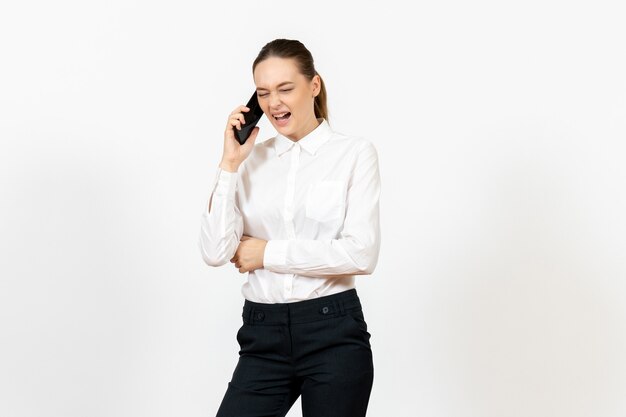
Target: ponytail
321 108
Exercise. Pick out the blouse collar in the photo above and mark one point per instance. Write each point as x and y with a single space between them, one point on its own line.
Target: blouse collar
310 143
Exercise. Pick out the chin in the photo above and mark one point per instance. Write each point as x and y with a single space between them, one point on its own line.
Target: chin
285 131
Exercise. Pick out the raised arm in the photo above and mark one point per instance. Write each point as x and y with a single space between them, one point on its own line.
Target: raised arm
221 222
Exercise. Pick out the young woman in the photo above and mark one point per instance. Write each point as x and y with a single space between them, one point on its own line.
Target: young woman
299 213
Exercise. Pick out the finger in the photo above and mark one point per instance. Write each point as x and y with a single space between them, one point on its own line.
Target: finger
234 121
238 116
239 109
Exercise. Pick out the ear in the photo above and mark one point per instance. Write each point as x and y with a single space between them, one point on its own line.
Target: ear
316 83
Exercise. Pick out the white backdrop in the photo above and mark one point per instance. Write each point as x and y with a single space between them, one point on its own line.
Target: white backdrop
500 128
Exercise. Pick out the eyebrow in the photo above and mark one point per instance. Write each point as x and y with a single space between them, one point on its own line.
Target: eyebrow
279 85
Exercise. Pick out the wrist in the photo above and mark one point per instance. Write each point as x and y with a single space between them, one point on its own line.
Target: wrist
229 166
263 253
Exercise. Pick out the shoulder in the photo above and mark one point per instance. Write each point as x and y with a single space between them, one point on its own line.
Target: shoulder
260 149
260 153
267 143
357 144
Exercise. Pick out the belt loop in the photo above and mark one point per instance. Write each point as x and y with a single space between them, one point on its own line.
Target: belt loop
341 307
251 315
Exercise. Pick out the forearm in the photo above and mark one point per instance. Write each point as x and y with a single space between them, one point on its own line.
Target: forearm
218 239
356 250
346 256
221 222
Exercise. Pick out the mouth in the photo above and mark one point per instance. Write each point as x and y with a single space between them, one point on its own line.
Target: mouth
281 116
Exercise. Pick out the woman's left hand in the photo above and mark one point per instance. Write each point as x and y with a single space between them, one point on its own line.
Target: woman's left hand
249 254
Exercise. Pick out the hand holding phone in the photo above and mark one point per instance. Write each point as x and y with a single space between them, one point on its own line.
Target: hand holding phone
252 117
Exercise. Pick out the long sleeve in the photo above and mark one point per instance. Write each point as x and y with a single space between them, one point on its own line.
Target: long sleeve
356 251
221 221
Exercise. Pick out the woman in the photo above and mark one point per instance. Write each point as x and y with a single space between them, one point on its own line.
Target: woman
299 213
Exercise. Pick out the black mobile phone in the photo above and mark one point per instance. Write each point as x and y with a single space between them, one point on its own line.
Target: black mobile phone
252 117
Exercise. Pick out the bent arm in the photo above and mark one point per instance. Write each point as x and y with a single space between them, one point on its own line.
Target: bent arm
356 251
221 221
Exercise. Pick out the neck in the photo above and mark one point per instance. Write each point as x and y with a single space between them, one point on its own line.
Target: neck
310 126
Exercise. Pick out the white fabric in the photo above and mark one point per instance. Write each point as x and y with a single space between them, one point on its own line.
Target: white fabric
316 202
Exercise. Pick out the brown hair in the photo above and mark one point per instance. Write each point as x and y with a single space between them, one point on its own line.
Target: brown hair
288 48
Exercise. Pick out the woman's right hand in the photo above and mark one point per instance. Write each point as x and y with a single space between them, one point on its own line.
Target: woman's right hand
234 153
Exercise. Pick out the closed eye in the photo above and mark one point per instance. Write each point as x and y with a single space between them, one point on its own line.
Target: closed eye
282 91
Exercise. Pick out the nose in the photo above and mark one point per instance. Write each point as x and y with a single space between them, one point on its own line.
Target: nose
274 101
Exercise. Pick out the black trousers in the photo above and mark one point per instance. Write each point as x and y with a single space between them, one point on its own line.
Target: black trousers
318 349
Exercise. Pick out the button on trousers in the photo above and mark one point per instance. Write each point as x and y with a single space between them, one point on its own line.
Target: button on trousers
318 349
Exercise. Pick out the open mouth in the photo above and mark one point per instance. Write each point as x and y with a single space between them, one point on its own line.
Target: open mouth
282 116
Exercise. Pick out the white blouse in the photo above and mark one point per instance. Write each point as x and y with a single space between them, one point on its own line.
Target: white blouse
316 202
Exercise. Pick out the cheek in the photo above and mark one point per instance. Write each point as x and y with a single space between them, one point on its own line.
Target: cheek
265 108
299 104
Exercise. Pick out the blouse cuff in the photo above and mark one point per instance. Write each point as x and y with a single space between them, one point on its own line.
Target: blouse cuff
226 183
275 253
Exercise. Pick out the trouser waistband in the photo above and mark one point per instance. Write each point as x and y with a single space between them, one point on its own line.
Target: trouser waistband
319 308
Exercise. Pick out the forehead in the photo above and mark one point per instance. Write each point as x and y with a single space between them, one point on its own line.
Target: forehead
273 71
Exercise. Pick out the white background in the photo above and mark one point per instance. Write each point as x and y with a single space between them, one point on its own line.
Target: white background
500 128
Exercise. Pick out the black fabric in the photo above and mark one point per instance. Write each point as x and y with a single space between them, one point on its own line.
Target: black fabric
318 349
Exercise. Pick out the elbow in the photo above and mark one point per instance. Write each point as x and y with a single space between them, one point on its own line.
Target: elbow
370 269
368 260
212 257
213 261
218 248
362 253
368 266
